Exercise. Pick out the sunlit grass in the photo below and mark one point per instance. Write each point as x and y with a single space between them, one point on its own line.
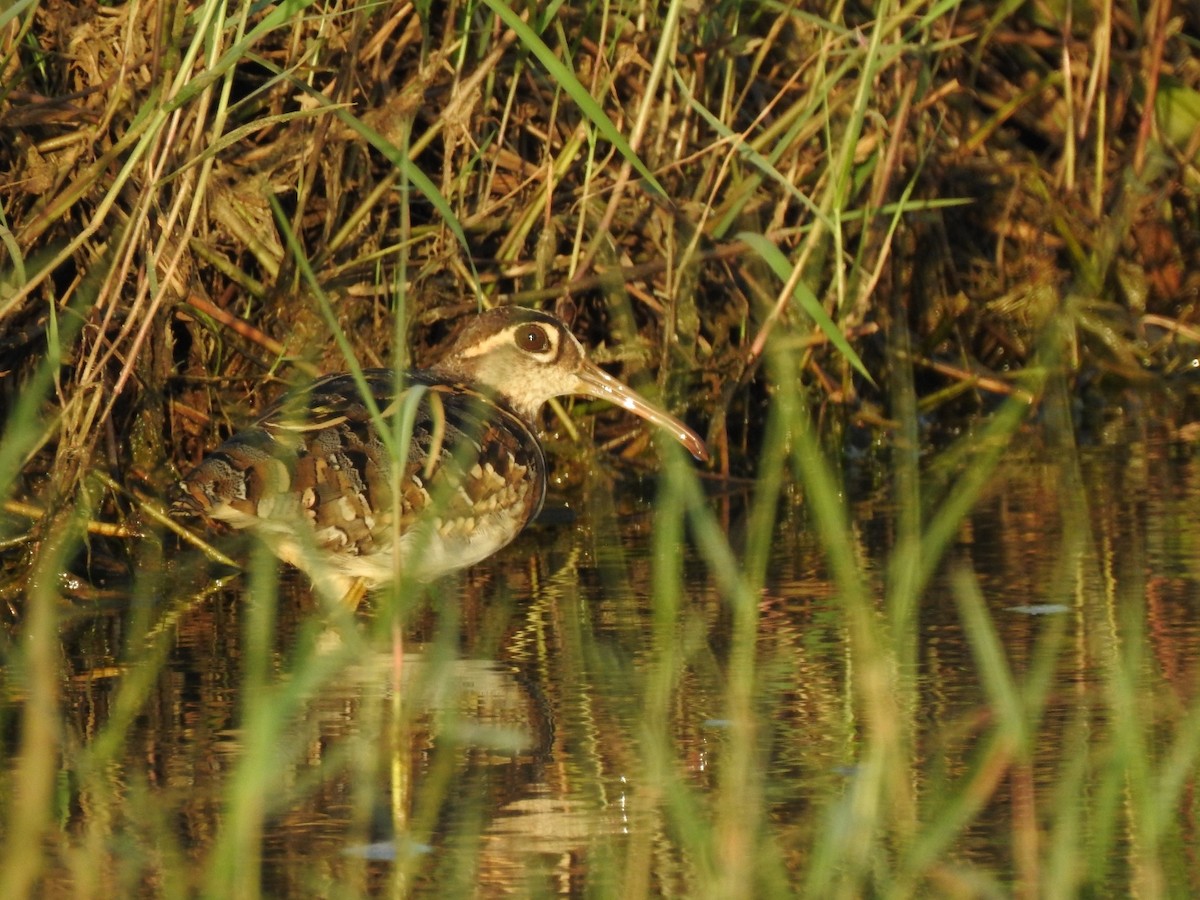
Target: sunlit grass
605 154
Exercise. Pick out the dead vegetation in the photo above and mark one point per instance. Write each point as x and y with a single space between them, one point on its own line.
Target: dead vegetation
194 198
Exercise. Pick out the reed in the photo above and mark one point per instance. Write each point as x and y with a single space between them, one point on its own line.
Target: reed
814 226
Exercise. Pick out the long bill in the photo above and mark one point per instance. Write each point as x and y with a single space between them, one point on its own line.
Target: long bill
595 382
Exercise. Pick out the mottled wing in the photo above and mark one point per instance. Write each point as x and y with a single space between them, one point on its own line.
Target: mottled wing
475 472
473 476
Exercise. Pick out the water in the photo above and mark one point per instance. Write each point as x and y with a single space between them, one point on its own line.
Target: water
541 730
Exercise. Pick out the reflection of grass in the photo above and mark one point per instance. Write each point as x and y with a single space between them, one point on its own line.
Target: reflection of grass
316 169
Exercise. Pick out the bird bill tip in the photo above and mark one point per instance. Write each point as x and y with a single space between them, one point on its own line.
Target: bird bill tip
694 444
600 384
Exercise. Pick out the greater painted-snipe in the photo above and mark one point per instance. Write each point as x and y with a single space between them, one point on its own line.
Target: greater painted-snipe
313 476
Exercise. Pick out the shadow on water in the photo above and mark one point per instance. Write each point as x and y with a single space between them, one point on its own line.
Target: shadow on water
519 753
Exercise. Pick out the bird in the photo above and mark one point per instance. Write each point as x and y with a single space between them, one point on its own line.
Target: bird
313 477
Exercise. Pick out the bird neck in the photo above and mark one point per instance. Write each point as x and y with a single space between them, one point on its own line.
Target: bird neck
446 372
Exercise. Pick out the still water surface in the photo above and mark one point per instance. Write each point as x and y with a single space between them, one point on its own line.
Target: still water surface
552 732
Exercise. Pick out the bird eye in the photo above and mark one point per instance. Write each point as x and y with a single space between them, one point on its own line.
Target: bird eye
533 339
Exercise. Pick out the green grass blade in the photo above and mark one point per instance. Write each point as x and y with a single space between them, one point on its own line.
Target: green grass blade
783 270
563 75
748 152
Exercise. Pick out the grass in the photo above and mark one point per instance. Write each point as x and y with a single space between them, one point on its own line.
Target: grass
811 226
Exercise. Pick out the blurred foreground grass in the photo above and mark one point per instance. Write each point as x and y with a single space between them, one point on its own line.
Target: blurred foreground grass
995 211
